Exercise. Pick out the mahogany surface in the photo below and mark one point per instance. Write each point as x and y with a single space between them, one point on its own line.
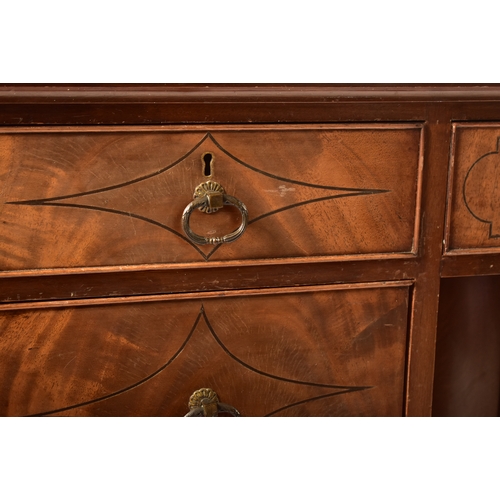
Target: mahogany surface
74 198
474 206
467 380
116 275
282 350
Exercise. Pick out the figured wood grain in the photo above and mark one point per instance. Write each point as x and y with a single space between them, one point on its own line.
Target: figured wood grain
263 354
109 198
474 193
195 108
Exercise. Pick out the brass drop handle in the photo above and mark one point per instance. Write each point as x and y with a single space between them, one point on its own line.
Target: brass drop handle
205 403
209 197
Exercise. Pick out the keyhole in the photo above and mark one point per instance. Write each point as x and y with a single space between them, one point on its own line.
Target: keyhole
208 160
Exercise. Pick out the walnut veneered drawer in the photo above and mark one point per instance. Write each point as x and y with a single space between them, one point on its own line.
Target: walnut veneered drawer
474 189
323 351
80 197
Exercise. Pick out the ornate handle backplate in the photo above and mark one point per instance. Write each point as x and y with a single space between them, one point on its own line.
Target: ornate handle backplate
209 197
205 403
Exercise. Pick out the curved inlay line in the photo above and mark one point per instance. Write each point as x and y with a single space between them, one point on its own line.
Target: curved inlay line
299 204
285 179
265 374
130 387
464 189
208 135
206 256
128 214
202 314
304 401
316 200
114 186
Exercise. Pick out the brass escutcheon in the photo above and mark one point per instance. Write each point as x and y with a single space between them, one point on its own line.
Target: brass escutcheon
209 197
215 196
205 403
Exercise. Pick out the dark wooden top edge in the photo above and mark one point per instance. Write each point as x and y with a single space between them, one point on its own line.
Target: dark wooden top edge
182 93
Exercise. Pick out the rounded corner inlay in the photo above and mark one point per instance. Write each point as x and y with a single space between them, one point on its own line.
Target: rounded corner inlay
473 216
481 190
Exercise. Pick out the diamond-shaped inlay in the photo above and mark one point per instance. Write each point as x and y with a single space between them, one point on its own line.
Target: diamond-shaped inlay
194 358
158 198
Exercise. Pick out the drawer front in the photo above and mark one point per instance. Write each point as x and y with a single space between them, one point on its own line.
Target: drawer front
75 197
325 351
474 192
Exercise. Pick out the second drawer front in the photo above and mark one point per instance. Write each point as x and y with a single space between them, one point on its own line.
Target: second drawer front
325 351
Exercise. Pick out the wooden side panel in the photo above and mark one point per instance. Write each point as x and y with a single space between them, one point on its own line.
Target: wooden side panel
474 198
467 375
78 198
328 352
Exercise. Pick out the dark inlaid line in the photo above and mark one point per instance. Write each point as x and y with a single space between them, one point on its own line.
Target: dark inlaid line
115 186
344 195
125 214
354 389
465 194
206 257
285 179
315 200
465 182
130 387
209 254
265 374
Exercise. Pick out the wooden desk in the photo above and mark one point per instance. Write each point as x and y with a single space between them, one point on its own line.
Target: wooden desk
372 231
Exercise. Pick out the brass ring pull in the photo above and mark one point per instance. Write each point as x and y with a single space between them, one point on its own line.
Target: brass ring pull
209 197
205 403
